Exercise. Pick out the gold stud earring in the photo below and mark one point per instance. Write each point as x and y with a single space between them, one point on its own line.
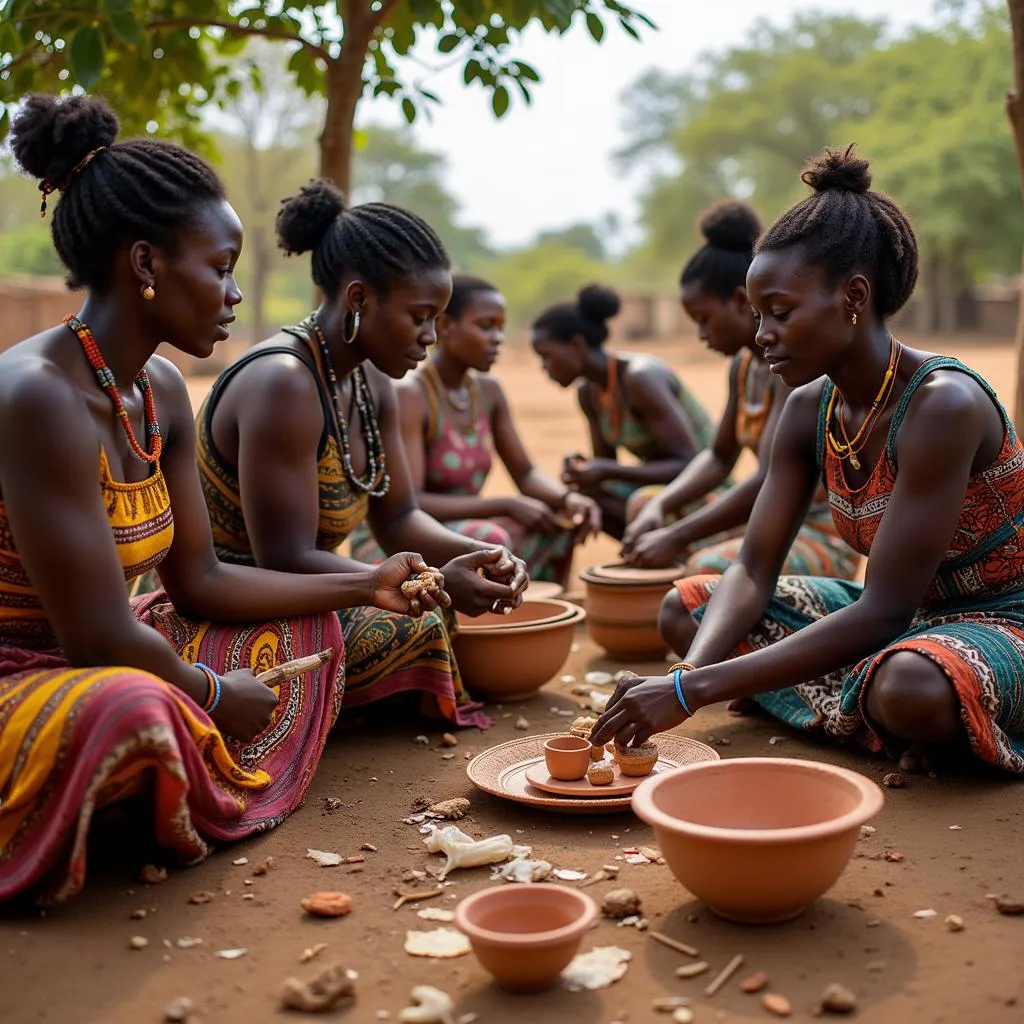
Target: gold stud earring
149 293
853 319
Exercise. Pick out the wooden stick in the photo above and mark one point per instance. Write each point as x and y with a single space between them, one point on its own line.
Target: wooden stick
412 897
294 669
679 947
733 966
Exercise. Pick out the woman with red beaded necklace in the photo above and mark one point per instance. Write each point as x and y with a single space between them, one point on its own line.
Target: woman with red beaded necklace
101 698
925 476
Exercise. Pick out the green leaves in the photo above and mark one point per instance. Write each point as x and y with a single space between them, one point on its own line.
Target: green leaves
125 27
86 56
500 100
595 26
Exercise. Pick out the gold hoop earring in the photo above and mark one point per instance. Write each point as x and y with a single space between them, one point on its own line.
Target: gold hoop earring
853 319
149 293
350 338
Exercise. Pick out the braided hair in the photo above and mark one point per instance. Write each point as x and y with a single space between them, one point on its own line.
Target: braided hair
380 242
111 192
844 227
588 316
730 229
464 287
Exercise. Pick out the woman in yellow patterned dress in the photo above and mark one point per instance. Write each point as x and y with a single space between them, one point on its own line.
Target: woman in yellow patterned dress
101 698
300 441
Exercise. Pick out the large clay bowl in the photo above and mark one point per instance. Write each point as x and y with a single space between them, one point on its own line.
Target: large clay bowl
526 935
532 612
622 610
757 838
502 662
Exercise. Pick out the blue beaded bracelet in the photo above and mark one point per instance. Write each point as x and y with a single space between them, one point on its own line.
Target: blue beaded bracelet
677 675
211 704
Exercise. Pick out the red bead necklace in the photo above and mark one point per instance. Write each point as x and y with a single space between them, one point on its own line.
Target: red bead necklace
109 385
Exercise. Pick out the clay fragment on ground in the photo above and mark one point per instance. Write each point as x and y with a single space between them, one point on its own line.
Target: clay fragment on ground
436 914
264 866
431 1006
312 951
620 903
327 991
138 915
684 1015
692 970
451 810
838 999
152 874
522 870
327 904
199 898
178 1011
421 741
440 943
449 740
332 803
138 942
324 858
776 1004
598 968
666 1004
893 856
755 983
522 724
955 923
894 780
231 954
1009 905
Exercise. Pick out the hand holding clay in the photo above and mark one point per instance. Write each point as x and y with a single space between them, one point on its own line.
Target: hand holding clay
650 517
657 549
585 514
637 710
407 585
484 579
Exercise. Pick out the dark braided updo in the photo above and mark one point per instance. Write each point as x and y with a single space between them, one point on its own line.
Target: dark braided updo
110 192
730 229
845 228
380 242
588 316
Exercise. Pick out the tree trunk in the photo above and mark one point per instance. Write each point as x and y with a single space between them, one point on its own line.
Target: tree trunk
1015 111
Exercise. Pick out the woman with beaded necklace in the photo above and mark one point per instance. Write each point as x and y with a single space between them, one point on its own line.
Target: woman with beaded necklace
300 441
925 476
101 699
454 416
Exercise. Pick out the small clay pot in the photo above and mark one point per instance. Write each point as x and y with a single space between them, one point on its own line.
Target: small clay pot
622 611
757 838
567 757
525 935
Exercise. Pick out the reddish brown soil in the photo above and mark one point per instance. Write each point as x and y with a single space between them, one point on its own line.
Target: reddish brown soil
73 965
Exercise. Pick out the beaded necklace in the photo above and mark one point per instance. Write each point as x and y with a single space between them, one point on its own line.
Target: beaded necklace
109 385
433 375
378 481
847 448
610 397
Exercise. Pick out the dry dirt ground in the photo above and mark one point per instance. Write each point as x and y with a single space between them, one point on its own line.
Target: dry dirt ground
73 964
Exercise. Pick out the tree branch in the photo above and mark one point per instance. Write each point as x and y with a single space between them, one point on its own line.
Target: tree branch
236 29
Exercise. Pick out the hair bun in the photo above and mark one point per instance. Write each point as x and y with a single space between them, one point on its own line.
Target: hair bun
837 169
304 219
51 136
598 303
730 225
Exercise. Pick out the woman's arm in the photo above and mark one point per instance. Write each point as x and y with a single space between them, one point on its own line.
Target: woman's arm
49 475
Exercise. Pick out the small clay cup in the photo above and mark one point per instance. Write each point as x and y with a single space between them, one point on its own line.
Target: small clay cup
525 935
567 757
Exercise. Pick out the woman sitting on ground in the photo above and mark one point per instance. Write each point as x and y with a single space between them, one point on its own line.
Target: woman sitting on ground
634 402
454 415
300 442
100 698
925 476
687 521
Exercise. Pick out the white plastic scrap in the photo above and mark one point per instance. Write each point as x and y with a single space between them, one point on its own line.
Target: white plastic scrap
598 701
230 954
601 967
436 914
463 851
926 913
433 1006
441 943
323 858
522 870
599 679
569 874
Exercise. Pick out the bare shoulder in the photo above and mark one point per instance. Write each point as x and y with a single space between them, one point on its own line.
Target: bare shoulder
948 406
492 389
30 380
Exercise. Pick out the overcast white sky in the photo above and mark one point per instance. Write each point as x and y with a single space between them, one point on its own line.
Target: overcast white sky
549 164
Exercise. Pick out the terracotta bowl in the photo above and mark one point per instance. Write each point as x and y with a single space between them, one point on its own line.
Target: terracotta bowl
757 838
526 935
622 609
567 757
503 663
530 612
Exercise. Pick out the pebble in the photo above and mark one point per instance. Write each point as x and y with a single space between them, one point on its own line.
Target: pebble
522 724
894 780
151 874
875 966
666 1004
421 741
447 740
178 1010
138 915
138 942
776 1004
1009 906
239 861
327 904
684 1015
955 923
692 970
866 831
755 983
838 999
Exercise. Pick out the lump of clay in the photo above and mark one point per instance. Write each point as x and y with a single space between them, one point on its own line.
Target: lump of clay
433 1006
429 580
328 990
452 810
600 773
620 903
523 870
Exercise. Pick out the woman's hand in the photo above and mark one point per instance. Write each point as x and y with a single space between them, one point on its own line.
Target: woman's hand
386 586
651 517
585 514
638 709
246 705
658 549
531 513
585 474
486 580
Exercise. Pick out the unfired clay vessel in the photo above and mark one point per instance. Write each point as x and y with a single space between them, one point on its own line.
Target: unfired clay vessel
502 662
526 935
622 610
757 838
567 757
532 612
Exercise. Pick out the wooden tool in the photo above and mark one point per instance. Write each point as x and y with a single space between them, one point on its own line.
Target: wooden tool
293 669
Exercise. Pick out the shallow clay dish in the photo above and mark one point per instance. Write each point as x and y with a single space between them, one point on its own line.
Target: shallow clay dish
622 785
506 663
501 771
757 838
526 935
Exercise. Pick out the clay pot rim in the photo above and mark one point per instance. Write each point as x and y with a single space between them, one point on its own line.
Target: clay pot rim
572 618
871 801
594 579
565 611
534 940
